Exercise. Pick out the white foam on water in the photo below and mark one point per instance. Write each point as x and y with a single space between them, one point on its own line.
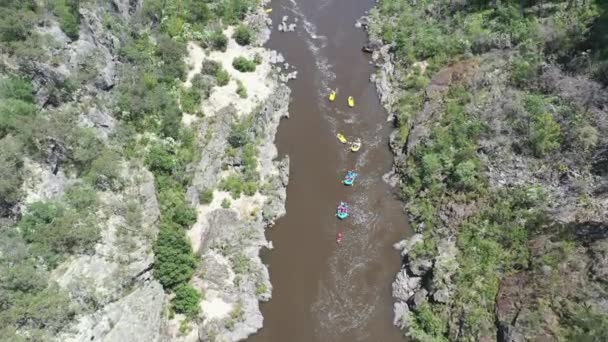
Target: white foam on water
316 43
345 301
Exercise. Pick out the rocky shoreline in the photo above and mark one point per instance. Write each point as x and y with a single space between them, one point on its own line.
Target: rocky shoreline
233 278
408 280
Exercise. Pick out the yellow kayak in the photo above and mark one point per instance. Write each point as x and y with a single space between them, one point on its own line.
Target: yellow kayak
332 95
355 146
269 10
351 101
342 138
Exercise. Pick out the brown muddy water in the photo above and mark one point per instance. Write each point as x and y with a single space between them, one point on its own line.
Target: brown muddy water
323 291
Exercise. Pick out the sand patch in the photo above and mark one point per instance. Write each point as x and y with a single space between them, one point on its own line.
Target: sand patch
257 83
245 206
214 307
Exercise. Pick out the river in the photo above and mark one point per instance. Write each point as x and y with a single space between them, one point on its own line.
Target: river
323 291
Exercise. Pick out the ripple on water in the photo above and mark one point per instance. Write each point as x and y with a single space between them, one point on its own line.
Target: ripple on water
315 44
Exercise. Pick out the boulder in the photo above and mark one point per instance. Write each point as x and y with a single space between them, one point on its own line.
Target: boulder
404 286
402 314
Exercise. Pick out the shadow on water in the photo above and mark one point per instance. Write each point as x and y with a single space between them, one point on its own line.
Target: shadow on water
322 291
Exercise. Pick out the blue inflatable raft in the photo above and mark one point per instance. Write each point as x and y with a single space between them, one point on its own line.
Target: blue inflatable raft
350 178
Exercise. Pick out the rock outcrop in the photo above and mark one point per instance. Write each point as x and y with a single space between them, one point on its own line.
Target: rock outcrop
567 247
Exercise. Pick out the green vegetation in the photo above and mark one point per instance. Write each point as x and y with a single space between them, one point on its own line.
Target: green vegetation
242 146
242 35
497 228
241 90
216 70
219 41
226 203
47 129
54 230
186 300
242 64
47 234
206 196
68 16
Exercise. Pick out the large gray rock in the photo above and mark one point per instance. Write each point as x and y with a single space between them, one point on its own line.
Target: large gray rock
402 314
100 120
133 318
208 169
404 286
117 277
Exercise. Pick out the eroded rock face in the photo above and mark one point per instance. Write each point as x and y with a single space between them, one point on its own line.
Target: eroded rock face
134 317
115 282
235 278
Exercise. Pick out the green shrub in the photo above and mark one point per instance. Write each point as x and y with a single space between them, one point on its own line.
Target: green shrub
186 300
257 58
241 90
204 84
171 52
173 26
213 68
138 49
68 16
226 203
11 169
190 99
49 309
545 134
54 231
161 159
250 188
81 197
586 137
210 67
233 11
238 135
241 264
242 35
465 175
206 196
222 77
233 184
16 105
171 196
427 325
219 41
104 172
242 64
174 261
17 88
17 22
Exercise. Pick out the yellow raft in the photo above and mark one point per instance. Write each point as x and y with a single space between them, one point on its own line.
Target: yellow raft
342 138
332 95
355 146
351 101
269 10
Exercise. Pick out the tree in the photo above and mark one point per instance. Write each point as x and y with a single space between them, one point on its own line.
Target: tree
242 35
219 41
172 53
104 172
11 166
175 263
465 174
68 16
242 64
545 134
186 300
